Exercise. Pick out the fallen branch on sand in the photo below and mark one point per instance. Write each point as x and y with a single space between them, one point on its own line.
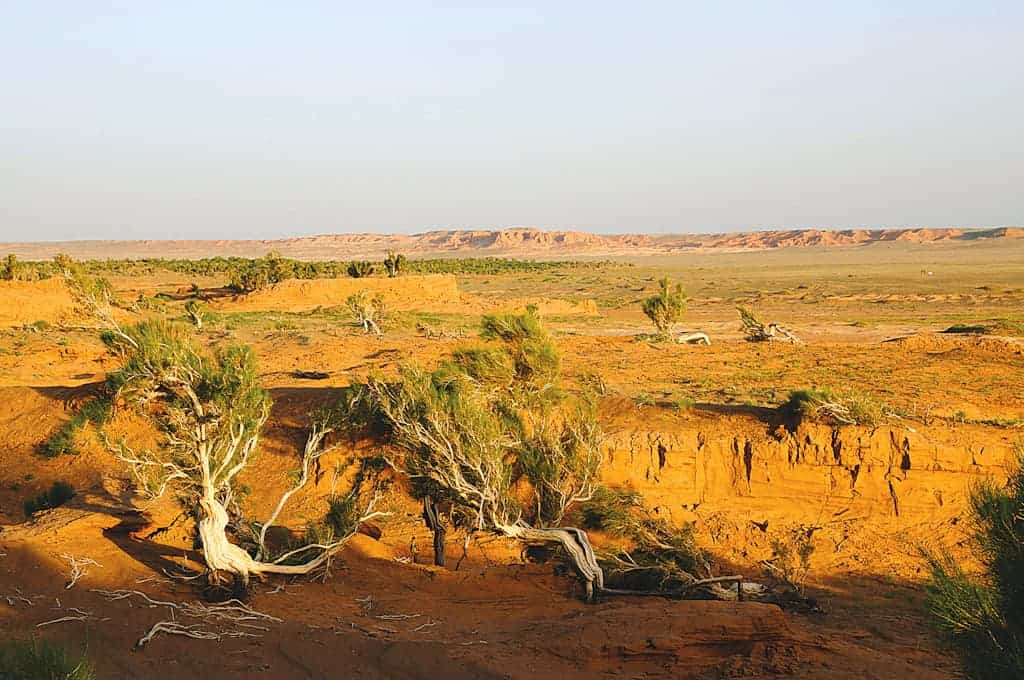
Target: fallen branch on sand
78 568
755 331
229 615
693 339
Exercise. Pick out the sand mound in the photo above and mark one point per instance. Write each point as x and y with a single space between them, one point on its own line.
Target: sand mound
427 293
301 295
945 342
24 302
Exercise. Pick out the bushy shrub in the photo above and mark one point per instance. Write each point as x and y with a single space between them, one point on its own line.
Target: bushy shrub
488 433
791 556
250 275
826 406
394 264
523 338
41 660
982 614
666 308
368 311
657 555
57 495
9 268
360 269
753 329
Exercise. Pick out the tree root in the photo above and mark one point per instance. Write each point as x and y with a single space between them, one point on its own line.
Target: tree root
693 339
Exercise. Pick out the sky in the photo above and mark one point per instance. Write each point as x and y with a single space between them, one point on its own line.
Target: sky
271 119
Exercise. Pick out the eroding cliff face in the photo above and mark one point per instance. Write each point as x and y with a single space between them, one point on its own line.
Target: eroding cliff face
867 494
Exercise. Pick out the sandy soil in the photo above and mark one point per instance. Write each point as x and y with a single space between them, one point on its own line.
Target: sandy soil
690 427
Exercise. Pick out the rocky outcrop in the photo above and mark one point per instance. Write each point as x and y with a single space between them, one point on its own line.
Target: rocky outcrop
526 241
876 493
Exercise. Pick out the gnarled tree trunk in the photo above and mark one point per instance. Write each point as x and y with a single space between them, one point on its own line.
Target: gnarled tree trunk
434 522
576 545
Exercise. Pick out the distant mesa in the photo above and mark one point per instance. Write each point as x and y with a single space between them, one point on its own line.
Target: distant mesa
515 241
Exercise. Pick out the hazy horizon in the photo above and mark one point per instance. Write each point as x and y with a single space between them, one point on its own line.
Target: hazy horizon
259 121
517 226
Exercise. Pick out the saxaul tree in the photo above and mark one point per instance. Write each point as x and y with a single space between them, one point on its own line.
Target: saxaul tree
489 421
756 331
666 308
368 311
93 297
209 410
196 313
394 264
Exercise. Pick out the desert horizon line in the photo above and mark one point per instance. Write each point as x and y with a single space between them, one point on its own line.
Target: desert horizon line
398 232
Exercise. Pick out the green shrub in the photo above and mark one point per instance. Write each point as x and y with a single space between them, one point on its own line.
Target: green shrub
791 556
534 357
826 406
394 264
58 494
666 308
41 660
969 329
659 556
62 441
983 615
9 268
360 269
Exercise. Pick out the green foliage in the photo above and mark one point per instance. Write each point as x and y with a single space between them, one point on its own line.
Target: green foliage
983 615
488 417
360 269
534 357
368 311
62 442
657 554
194 397
394 264
57 495
251 275
9 268
969 329
247 274
196 312
666 308
41 660
341 520
485 363
753 329
826 406
557 454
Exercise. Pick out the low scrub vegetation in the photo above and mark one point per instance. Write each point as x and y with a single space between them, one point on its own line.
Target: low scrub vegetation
665 309
41 660
249 274
62 442
652 554
488 421
826 406
982 614
57 495
394 264
791 555
491 438
360 269
368 311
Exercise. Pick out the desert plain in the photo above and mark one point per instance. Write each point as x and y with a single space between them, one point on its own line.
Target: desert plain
929 326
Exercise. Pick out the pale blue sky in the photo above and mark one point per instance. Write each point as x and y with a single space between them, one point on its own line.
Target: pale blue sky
257 119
